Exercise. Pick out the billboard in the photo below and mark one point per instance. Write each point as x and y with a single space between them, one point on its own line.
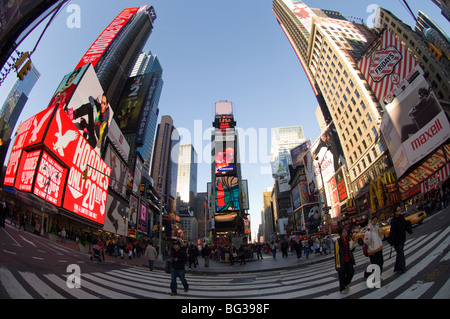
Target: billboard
227 194
66 150
303 13
81 96
30 132
116 215
298 153
388 68
224 160
103 41
414 125
224 108
120 173
131 104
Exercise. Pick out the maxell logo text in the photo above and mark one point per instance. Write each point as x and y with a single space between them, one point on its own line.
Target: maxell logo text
423 138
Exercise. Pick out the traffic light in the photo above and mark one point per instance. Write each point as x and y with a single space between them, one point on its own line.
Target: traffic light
85 174
24 70
27 67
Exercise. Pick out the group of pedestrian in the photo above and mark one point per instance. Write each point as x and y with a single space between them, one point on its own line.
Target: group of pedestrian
344 247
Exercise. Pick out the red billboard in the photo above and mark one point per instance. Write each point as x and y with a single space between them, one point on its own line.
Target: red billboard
388 68
102 43
50 147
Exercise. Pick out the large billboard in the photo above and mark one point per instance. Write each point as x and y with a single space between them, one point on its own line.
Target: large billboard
303 13
103 41
131 104
388 68
414 125
81 96
227 194
50 148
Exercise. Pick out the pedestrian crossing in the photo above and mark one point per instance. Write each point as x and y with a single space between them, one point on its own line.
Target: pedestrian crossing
313 281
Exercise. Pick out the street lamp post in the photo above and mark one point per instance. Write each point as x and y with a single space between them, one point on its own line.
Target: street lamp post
325 198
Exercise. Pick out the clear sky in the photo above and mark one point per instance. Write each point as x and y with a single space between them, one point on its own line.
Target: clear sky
210 50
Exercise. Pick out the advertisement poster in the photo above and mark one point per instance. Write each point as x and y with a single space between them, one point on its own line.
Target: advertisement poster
142 225
52 173
227 194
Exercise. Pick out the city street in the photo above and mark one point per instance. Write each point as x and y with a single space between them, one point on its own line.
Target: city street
32 267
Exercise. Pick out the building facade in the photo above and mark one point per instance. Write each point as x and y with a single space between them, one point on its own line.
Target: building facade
187 176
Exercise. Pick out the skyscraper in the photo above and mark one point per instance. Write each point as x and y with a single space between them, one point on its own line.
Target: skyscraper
147 63
329 49
18 96
187 175
115 51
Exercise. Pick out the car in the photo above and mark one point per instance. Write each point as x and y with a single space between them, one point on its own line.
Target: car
413 215
358 236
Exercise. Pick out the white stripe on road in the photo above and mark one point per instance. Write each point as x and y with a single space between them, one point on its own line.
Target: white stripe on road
415 291
12 286
444 292
43 289
76 292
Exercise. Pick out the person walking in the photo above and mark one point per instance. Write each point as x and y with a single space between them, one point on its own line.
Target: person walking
374 244
192 255
344 260
151 255
284 247
274 246
206 253
397 238
178 259
258 251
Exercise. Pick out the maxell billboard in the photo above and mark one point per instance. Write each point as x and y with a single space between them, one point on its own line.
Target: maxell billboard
414 125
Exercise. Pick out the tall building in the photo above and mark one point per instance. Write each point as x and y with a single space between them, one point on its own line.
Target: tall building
114 52
328 49
147 63
161 167
18 96
187 175
358 96
229 192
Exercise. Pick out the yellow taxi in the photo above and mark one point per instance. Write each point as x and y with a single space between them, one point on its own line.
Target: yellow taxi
358 237
413 215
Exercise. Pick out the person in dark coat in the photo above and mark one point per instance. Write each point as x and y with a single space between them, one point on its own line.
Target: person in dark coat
397 238
178 258
344 260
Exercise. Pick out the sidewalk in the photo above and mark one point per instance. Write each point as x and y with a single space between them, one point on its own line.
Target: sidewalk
215 267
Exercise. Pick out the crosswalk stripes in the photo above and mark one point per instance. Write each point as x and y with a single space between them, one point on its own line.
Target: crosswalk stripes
314 281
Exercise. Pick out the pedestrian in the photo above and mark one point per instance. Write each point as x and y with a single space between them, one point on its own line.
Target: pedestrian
23 221
397 238
374 244
63 235
344 260
14 217
192 255
178 259
151 255
298 248
3 212
284 248
273 246
206 253
232 254
241 254
306 249
258 251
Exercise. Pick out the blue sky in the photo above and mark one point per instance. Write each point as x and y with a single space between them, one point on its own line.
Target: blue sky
210 50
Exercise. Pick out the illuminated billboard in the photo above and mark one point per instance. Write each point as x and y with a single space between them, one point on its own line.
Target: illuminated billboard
224 108
101 44
227 194
130 108
414 125
388 68
224 160
61 143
